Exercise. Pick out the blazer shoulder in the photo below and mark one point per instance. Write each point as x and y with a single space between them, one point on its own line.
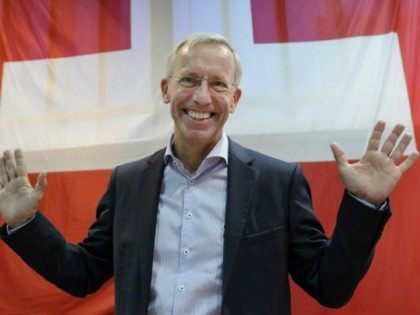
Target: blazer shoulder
263 162
139 164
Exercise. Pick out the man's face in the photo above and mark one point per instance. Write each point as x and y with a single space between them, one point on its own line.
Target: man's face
200 112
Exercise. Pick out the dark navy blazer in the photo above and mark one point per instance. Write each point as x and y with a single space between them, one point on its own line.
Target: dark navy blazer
270 232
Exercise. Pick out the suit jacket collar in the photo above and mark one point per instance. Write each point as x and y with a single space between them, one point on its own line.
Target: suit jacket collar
149 180
241 185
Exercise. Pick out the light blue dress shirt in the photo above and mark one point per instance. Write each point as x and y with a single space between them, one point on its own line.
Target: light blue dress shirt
188 253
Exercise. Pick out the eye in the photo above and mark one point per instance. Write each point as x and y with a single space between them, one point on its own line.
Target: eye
218 86
186 81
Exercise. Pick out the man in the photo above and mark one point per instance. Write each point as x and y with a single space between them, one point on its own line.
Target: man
206 226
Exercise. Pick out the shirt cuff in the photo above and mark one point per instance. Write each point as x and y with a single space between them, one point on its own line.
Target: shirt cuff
368 204
11 231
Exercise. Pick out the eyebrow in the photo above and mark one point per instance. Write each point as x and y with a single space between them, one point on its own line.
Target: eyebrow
195 75
190 74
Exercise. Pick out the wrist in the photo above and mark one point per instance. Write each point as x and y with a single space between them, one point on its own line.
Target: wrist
373 202
18 222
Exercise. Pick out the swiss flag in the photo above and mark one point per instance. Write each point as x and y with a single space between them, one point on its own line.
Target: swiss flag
390 286
44 29
35 31
79 93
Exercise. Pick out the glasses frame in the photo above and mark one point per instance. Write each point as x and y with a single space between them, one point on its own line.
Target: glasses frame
178 78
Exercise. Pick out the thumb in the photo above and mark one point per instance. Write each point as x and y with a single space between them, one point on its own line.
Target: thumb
339 155
41 183
42 180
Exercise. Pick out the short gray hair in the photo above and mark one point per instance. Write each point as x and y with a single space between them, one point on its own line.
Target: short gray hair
204 38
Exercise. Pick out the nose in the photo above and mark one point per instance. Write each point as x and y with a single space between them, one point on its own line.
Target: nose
202 94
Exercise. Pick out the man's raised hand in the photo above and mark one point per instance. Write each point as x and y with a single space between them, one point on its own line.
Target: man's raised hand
375 175
18 199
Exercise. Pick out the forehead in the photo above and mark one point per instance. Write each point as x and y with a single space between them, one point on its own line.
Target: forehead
205 59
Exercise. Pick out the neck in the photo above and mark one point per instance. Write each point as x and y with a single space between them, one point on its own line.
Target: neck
192 155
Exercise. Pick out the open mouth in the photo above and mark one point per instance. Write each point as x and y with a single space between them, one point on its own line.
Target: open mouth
198 116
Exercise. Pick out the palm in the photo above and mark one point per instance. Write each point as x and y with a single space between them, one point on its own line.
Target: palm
375 175
18 199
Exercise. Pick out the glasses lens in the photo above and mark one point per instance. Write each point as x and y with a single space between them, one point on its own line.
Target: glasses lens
191 82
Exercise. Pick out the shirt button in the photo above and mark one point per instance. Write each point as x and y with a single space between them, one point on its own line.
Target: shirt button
189 215
186 251
181 288
191 182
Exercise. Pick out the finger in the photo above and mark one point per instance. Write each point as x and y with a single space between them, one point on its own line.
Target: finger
40 186
20 163
390 142
339 155
401 147
10 164
41 181
3 173
375 137
409 161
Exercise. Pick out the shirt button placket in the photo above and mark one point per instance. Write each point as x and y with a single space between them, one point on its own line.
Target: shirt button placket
187 225
184 245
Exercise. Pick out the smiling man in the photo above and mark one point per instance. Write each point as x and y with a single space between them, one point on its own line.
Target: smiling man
201 87
206 226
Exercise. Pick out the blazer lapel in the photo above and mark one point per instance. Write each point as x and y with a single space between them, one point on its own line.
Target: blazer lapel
150 185
241 183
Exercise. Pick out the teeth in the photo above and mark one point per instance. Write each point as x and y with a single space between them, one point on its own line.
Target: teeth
198 116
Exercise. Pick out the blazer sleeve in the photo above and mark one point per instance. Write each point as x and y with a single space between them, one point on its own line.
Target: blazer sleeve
77 269
329 269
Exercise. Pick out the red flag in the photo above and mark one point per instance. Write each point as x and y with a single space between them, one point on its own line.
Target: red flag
390 286
33 30
81 75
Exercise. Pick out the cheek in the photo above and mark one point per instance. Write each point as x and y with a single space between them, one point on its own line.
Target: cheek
177 104
232 106
172 111
180 99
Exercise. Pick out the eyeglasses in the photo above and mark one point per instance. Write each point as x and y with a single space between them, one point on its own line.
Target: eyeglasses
190 82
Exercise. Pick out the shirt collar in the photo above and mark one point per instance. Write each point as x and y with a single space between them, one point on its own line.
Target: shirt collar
219 150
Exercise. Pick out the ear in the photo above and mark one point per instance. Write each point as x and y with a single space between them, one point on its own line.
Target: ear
164 84
236 97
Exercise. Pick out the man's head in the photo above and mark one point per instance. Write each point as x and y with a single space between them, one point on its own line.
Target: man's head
211 39
202 88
